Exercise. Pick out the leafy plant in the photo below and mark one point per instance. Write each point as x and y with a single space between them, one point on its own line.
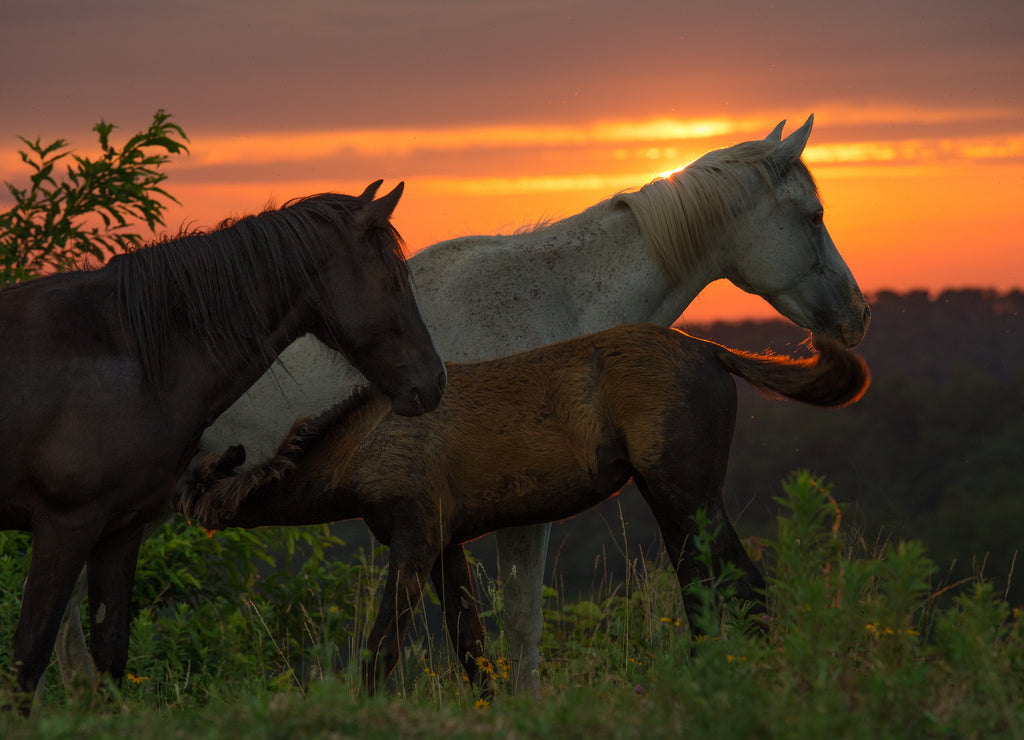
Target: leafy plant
57 224
860 645
716 593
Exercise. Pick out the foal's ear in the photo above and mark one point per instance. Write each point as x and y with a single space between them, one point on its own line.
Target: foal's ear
371 190
378 213
789 151
776 134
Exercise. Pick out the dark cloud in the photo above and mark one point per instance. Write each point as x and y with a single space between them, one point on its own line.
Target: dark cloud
262 65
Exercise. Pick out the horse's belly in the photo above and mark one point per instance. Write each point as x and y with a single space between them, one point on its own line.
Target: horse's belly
526 495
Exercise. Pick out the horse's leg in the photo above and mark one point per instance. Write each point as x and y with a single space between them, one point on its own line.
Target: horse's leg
725 548
72 653
73 657
407 576
728 548
521 555
58 553
76 666
111 578
454 585
674 505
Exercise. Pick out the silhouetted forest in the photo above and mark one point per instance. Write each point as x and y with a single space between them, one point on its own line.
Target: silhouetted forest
932 452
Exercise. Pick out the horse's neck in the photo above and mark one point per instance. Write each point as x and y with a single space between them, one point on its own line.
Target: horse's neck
216 379
615 278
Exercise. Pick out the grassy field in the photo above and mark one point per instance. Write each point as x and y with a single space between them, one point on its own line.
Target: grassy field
865 641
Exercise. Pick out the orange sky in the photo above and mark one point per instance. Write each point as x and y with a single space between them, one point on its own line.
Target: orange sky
499 115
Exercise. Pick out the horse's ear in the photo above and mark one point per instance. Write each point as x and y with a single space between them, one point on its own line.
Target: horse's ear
776 134
371 190
789 151
378 213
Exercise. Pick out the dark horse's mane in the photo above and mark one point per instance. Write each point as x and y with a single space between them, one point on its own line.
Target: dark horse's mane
209 282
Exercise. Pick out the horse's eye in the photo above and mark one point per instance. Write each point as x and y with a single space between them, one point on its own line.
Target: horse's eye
817 218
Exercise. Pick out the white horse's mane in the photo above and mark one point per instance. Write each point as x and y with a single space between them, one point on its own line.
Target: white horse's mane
678 215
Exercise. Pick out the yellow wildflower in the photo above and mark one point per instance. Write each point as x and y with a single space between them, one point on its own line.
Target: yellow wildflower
485 667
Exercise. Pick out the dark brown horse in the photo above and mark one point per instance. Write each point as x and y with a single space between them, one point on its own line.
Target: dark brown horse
109 376
580 417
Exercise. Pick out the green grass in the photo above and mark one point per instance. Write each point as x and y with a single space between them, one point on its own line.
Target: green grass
863 643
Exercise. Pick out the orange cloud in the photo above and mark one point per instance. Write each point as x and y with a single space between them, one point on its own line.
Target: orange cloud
931 209
297 146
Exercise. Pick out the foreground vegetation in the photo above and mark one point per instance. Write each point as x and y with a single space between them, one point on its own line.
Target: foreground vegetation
860 644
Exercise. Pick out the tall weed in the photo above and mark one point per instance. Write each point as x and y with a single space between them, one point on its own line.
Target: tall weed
862 642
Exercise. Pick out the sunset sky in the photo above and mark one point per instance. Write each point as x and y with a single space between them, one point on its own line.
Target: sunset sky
498 115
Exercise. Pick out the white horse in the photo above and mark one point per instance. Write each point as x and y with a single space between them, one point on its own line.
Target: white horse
749 213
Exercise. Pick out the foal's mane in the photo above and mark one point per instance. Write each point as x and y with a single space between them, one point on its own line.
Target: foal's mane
341 426
229 286
679 214
340 420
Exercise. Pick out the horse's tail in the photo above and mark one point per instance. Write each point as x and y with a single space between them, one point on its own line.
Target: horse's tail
833 377
200 492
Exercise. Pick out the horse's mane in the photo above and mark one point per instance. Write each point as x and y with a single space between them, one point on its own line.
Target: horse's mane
341 426
342 417
678 214
209 283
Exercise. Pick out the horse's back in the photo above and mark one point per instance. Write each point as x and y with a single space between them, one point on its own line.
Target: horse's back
488 296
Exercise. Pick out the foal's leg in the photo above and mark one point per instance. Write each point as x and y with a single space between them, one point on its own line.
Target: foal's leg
726 548
111 578
675 492
454 585
521 555
58 553
679 530
407 575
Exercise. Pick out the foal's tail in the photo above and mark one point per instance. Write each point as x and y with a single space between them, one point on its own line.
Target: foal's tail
833 377
200 492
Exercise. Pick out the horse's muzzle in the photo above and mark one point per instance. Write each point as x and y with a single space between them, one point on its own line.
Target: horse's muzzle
852 336
421 400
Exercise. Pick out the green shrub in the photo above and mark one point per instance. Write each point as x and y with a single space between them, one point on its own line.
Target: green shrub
56 223
860 644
